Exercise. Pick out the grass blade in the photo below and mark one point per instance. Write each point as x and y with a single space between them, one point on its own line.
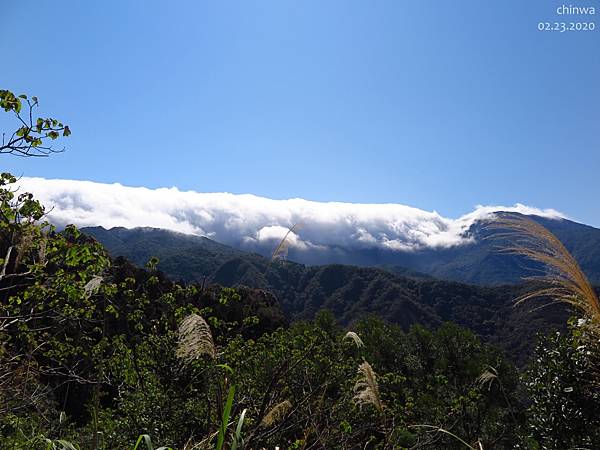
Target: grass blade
238 431
64 445
225 420
146 439
441 430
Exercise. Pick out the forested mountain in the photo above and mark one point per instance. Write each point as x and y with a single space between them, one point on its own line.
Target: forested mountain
478 262
481 262
350 292
182 256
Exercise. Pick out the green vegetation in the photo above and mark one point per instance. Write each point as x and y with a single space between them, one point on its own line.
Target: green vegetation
97 353
349 292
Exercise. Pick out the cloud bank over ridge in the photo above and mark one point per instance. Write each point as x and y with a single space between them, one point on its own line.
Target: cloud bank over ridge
251 222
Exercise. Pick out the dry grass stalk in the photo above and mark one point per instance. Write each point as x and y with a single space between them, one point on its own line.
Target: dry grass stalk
354 337
276 413
281 251
42 249
25 244
366 389
92 286
487 378
195 339
564 281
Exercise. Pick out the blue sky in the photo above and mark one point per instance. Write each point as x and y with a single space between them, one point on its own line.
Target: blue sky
434 104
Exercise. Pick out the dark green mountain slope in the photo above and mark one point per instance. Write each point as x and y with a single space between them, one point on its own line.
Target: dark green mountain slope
481 263
182 256
477 262
349 292
354 292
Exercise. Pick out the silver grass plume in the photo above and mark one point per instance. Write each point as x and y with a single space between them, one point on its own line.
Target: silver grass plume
42 249
92 286
281 251
564 281
487 378
354 337
24 245
276 413
195 339
366 389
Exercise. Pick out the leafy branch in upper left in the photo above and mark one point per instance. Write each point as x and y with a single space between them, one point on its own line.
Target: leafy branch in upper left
33 135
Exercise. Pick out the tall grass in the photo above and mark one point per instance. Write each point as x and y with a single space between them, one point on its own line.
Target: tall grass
59 444
225 418
281 251
354 337
366 388
436 429
145 439
238 440
563 280
142 441
276 413
195 339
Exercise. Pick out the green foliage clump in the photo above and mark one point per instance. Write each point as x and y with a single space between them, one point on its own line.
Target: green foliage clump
423 377
562 385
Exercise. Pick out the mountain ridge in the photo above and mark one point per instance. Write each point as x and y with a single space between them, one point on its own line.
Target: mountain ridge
350 292
478 262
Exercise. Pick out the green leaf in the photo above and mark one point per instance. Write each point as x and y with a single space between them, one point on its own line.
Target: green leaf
238 431
225 367
59 444
225 419
146 439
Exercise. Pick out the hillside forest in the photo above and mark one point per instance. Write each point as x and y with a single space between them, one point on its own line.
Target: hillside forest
100 353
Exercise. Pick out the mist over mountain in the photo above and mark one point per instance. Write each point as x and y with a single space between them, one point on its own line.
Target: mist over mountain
257 224
477 261
393 236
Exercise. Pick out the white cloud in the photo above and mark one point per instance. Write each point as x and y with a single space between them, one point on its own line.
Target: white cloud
252 222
